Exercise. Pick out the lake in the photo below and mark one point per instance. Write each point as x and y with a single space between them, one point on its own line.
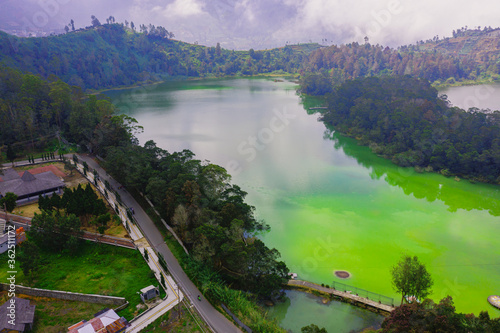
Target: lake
486 96
331 204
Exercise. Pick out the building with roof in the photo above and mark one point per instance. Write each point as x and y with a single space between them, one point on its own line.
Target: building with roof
17 238
105 321
16 315
4 242
28 185
149 292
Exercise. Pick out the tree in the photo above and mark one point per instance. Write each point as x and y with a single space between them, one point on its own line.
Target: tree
69 167
72 23
95 21
218 50
8 202
60 93
29 259
55 232
410 278
313 329
102 222
441 317
11 155
66 28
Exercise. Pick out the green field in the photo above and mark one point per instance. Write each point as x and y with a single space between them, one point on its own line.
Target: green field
97 269
55 315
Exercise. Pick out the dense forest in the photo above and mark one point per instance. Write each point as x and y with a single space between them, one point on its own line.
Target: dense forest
33 110
403 118
359 60
472 55
113 54
441 317
110 55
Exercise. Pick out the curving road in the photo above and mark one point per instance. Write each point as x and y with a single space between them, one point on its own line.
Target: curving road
210 315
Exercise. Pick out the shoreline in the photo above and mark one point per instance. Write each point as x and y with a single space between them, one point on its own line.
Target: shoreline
441 86
186 78
333 295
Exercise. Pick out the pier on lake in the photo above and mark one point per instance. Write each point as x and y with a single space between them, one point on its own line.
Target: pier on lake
373 301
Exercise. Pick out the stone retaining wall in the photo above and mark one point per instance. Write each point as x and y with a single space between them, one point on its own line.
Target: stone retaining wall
65 295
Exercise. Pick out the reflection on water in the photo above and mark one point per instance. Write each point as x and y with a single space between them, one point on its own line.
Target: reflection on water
302 309
423 186
484 96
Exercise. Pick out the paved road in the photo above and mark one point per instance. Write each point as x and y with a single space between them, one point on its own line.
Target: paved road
214 318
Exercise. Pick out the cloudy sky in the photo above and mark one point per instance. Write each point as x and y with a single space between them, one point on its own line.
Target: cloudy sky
243 24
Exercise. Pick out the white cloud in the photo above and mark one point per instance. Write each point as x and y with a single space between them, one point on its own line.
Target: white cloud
392 22
246 7
182 8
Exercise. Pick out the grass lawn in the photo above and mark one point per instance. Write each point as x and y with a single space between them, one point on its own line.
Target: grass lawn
27 210
98 269
56 315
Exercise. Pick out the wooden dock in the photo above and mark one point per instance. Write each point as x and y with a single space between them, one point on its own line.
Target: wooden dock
351 298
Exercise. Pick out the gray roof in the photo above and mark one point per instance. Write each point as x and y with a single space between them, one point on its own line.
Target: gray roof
29 184
146 289
9 174
4 238
25 314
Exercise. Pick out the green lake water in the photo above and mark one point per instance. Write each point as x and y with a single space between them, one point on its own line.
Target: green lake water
331 204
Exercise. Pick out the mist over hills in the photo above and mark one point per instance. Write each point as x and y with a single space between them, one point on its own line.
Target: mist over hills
259 24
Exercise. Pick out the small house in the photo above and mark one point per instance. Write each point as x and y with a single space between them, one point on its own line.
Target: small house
149 292
20 237
105 321
16 315
4 242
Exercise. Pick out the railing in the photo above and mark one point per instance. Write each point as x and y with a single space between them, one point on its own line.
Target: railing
363 293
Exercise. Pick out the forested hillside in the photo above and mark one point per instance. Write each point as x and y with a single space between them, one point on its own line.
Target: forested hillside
480 45
403 118
112 55
471 55
32 108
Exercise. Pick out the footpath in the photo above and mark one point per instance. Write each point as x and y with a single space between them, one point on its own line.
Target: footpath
345 295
